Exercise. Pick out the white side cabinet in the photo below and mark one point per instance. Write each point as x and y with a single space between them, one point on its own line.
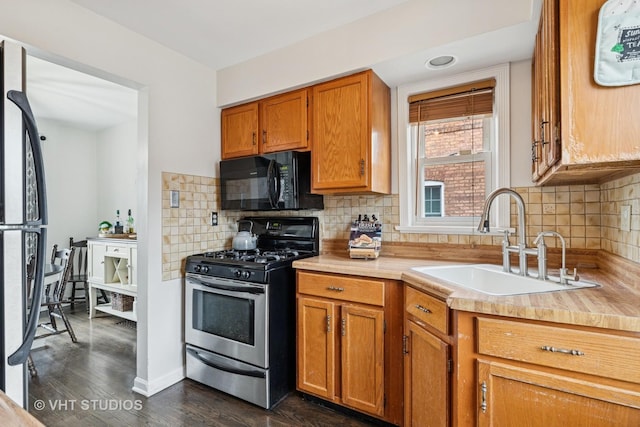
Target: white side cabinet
111 267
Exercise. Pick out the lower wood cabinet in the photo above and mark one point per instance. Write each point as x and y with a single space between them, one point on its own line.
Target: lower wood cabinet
427 361
346 327
546 374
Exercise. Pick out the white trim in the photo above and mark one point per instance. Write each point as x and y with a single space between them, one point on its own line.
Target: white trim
149 388
500 174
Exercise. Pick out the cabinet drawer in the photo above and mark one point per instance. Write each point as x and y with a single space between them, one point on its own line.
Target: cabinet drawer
120 251
428 309
364 290
593 353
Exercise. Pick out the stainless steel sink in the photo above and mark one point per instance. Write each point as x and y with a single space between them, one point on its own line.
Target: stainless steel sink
491 279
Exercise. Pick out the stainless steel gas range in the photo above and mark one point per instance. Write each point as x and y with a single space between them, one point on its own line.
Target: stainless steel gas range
240 311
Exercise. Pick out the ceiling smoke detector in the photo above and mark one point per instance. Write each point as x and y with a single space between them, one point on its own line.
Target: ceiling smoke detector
439 62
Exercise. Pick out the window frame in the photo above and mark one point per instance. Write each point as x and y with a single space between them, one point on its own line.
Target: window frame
499 162
433 184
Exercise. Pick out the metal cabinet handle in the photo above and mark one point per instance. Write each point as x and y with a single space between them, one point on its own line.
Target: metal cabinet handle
335 288
344 326
328 323
423 309
264 136
405 346
483 397
562 350
253 138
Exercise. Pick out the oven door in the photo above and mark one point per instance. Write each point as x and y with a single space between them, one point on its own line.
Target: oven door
227 317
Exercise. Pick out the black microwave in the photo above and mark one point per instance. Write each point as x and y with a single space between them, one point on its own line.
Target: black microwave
275 181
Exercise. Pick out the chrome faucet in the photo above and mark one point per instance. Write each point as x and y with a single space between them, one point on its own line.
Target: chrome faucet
521 249
542 258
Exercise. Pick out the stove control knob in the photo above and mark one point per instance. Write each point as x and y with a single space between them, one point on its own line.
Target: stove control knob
237 273
245 275
197 268
205 269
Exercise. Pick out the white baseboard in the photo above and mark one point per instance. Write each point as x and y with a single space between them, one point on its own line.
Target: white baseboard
149 388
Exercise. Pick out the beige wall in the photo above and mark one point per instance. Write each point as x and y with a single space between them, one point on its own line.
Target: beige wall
587 216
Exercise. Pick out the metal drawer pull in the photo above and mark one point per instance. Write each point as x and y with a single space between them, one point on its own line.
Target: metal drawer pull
562 350
424 309
334 288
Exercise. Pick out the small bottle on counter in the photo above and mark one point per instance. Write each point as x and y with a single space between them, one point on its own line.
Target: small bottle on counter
129 225
117 226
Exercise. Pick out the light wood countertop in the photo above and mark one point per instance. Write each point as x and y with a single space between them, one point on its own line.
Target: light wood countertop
615 305
13 415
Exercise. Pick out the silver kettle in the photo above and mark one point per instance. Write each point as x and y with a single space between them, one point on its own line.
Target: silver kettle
244 239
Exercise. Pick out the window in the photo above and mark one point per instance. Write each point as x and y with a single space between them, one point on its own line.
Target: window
433 192
453 149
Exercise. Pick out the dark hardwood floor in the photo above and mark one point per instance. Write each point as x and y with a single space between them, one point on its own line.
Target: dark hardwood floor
89 384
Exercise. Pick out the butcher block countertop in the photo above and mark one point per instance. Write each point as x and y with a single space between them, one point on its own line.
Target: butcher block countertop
13 415
614 305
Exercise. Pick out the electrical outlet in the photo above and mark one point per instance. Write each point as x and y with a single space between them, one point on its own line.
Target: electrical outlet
214 218
625 218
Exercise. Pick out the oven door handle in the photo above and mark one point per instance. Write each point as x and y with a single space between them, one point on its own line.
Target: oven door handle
245 289
226 368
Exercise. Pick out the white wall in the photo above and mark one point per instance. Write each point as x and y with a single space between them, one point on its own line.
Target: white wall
521 124
70 172
364 43
179 131
116 167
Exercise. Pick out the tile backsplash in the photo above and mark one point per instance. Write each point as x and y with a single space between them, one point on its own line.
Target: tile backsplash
588 216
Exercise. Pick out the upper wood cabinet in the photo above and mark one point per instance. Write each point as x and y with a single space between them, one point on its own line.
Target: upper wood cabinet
598 140
545 150
284 122
351 135
240 131
277 123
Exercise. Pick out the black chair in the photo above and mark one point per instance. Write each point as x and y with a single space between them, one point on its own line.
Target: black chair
55 298
79 275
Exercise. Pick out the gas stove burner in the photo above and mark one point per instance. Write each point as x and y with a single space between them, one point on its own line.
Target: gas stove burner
233 254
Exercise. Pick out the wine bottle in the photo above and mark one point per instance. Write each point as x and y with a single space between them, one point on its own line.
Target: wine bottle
129 224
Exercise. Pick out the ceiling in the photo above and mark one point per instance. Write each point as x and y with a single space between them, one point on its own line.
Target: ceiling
190 26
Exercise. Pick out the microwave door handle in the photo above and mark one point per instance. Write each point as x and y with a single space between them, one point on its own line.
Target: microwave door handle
22 353
21 101
274 183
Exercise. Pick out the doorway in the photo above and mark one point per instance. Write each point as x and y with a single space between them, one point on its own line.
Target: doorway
89 135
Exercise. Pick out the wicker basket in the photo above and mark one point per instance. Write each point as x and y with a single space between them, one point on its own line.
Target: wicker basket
121 302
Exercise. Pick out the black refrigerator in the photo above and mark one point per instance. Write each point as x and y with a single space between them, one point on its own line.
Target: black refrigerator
23 220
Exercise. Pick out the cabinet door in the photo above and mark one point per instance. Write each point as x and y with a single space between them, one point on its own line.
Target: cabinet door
545 92
96 253
316 347
508 395
362 331
240 131
284 122
426 397
340 134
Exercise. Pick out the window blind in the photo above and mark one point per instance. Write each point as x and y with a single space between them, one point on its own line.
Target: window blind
459 101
